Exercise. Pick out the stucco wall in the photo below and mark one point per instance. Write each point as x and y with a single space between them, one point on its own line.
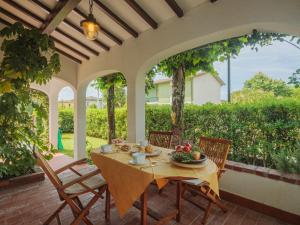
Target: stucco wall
278 194
206 89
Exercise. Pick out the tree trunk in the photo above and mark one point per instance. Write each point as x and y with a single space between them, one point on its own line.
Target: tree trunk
111 113
178 93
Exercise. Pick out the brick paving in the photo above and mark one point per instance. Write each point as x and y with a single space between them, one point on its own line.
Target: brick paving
31 204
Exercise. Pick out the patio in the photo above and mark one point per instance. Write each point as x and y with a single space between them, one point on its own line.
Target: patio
135 36
33 203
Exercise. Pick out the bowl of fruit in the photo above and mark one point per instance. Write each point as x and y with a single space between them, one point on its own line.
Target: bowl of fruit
188 156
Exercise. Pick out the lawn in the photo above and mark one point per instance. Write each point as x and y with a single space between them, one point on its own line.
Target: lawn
68 143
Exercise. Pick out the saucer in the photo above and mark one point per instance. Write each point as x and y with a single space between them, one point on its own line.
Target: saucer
136 164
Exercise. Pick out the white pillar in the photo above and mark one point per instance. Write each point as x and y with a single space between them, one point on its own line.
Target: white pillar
53 119
136 108
80 123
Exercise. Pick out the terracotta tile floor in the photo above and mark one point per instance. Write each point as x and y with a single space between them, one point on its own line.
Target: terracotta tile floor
32 204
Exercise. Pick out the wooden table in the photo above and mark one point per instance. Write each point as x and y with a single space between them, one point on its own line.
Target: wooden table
135 180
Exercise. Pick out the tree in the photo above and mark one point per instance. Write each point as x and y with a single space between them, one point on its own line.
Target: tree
108 85
295 79
187 63
250 96
29 56
119 96
261 81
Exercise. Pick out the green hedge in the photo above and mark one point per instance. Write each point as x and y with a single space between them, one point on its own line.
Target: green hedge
264 133
65 120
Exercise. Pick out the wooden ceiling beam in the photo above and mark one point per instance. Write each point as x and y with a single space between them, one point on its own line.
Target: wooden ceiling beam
71 24
4 22
41 20
58 14
24 10
70 47
12 16
175 7
77 41
116 18
42 5
68 56
102 29
15 18
139 10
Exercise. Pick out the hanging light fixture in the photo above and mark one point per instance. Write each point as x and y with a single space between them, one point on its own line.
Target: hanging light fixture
90 26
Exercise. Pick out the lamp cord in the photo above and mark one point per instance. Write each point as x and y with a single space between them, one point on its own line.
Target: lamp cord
91 6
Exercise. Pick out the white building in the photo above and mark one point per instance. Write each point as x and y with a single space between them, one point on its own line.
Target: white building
200 89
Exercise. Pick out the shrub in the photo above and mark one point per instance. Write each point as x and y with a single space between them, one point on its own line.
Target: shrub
266 133
65 121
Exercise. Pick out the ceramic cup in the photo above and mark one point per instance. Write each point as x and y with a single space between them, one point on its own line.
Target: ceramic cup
144 143
106 148
139 158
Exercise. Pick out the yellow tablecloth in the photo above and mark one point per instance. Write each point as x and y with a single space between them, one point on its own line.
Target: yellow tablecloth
127 182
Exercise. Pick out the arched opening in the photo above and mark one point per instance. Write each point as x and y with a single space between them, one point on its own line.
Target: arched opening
106 110
65 131
259 101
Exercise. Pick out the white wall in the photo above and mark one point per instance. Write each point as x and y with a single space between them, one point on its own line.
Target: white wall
278 194
206 89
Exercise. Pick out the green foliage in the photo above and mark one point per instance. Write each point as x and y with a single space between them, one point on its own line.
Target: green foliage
119 82
287 160
182 157
29 56
97 123
41 115
261 81
295 79
65 120
261 132
250 96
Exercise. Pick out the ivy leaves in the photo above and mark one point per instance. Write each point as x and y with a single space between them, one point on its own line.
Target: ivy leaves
29 56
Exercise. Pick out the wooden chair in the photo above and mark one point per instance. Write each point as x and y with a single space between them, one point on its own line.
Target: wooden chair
70 188
160 138
217 151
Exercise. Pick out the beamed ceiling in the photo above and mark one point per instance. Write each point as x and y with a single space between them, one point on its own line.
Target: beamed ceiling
119 20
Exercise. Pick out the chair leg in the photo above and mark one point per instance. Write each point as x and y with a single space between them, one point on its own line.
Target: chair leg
221 206
207 211
82 214
76 210
77 200
55 214
58 220
107 205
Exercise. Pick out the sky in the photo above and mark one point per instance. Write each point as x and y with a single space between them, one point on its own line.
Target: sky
279 61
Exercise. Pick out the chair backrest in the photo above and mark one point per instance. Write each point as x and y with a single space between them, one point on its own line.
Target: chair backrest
42 162
160 138
215 149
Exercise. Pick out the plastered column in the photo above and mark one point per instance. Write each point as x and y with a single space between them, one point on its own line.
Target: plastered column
80 123
53 118
136 108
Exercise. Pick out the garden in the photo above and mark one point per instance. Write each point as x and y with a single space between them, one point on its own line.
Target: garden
265 133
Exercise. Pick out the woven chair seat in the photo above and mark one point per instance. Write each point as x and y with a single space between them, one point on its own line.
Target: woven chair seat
93 182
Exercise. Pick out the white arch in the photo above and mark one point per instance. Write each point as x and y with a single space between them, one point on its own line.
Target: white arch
52 89
204 24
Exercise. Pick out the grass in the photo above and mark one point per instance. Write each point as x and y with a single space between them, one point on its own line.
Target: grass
68 143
